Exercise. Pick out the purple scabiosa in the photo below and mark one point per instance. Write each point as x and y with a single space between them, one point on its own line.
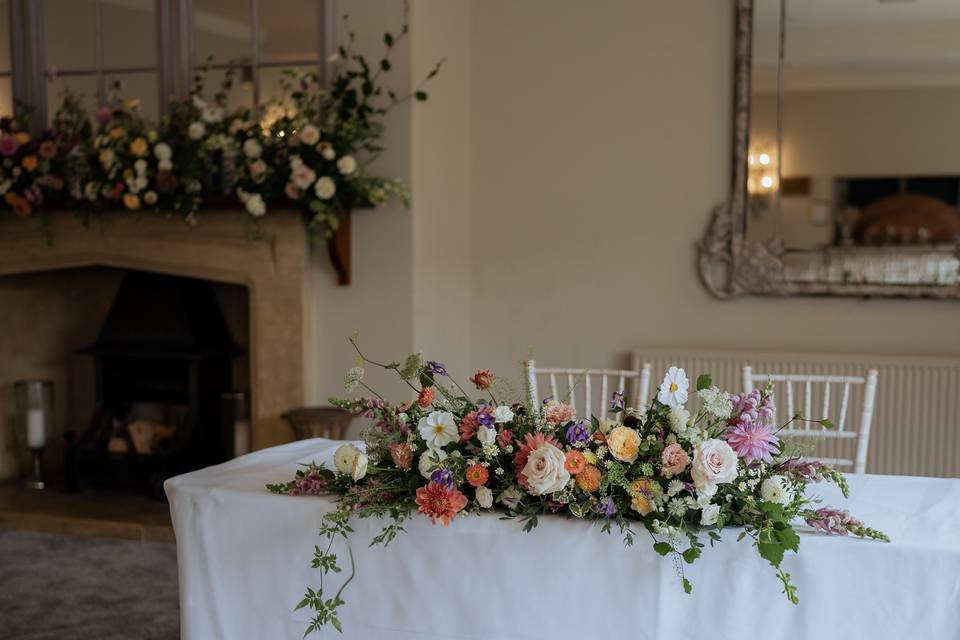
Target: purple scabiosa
436 368
443 477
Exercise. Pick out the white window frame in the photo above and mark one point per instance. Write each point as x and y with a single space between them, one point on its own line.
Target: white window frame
175 59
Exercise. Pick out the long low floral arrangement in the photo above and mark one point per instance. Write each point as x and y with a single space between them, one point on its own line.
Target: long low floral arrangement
682 477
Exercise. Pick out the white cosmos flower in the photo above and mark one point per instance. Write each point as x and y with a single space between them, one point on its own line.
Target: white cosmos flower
502 414
196 130
775 489
346 165
430 460
673 389
325 188
438 429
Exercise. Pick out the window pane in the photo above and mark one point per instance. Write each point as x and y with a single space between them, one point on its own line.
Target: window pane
84 85
129 34
69 28
270 80
137 86
6 97
223 30
4 36
288 30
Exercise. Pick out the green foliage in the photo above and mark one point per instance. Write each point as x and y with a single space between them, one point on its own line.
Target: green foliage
704 381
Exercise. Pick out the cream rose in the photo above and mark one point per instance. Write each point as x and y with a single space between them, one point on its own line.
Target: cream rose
484 497
359 466
545 470
714 463
624 443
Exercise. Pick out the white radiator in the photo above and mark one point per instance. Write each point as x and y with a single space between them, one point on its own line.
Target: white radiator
916 418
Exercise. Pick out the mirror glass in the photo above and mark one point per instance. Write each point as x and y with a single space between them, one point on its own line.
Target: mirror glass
865 104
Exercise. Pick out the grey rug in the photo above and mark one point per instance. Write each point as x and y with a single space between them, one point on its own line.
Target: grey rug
56 586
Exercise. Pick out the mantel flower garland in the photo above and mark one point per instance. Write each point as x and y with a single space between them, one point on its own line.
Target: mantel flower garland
681 477
310 146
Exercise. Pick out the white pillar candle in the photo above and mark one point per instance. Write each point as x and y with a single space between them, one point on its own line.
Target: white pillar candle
241 437
36 429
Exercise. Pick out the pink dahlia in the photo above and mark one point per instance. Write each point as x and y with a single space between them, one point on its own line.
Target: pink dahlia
753 441
440 502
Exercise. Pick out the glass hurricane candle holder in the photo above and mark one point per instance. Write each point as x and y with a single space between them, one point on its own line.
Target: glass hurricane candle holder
34 418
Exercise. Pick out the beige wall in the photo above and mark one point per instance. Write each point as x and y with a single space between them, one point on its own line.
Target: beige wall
600 144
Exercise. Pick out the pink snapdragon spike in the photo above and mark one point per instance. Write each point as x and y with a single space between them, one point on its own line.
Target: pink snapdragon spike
833 521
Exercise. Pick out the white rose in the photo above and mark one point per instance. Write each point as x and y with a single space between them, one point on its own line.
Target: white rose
162 151
325 188
140 166
484 497
429 461
326 150
345 456
196 130
310 135
165 165
710 514
544 470
502 414
775 489
252 148
438 429
255 205
486 435
714 463
346 165
212 115
359 469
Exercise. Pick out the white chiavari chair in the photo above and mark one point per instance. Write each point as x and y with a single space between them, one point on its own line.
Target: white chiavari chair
566 385
808 387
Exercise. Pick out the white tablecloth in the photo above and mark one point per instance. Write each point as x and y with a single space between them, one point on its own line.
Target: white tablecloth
244 560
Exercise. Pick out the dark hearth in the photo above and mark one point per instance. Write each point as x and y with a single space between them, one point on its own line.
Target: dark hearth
162 361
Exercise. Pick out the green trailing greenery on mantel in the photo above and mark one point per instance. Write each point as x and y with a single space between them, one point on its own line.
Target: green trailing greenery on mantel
310 147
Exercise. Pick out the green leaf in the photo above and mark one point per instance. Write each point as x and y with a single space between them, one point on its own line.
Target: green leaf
704 381
772 552
687 587
420 95
388 39
788 538
691 554
385 64
827 424
663 548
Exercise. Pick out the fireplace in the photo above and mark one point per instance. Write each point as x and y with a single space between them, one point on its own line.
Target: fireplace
265 288
162 361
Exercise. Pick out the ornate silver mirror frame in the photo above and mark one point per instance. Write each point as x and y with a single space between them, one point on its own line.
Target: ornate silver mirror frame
731 265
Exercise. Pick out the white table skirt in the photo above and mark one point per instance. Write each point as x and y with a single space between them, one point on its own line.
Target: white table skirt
244 559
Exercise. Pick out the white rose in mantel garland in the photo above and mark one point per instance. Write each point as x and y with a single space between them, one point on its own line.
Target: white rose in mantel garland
714 462
545 471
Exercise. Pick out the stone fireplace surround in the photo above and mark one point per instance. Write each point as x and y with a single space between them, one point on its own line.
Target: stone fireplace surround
274 270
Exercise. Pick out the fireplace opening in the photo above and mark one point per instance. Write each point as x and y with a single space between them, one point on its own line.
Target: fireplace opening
162 362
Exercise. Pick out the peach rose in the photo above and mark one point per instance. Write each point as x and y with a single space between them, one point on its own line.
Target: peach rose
674 459
624 443
402 455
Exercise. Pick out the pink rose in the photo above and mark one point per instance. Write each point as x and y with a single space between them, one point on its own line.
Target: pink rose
674 459
714 462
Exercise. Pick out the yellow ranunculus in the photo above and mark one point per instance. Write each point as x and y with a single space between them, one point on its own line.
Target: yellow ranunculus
22 137
139 147
624 443
131 201
29 162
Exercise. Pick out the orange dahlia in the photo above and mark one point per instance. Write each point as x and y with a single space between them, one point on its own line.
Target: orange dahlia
440 502
477 475
589 479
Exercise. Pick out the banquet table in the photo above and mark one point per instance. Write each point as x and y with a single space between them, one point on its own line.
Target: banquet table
244 557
